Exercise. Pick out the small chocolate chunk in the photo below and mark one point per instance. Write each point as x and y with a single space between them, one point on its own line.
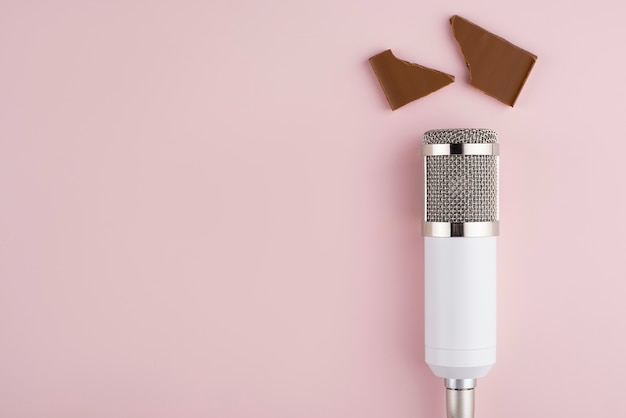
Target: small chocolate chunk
403 81
496 66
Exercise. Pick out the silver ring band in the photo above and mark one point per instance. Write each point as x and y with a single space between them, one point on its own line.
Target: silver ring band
459 384
461 229
461 149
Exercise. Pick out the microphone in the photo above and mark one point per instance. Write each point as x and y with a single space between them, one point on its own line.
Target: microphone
460 226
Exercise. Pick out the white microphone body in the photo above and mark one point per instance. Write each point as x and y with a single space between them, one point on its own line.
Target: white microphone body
460 306
461 222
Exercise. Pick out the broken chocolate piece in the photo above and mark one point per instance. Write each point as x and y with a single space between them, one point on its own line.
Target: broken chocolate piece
403 81
497 67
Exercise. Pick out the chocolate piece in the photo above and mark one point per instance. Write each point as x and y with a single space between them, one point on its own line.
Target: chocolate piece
403 81
497 67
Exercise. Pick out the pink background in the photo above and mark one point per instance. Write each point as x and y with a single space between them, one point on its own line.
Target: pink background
208 209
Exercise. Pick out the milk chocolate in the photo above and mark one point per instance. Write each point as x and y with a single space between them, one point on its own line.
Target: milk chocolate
496 66
402 81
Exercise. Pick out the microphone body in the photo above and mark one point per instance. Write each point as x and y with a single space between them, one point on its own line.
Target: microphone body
460 226
460 306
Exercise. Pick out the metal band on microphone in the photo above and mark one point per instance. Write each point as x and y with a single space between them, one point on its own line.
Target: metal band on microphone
461 149
461 229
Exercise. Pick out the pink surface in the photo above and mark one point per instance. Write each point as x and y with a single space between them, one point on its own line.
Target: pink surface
208 209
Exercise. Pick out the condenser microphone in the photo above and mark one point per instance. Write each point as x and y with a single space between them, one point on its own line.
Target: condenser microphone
460 226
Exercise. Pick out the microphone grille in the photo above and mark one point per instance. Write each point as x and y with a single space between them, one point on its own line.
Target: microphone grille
460 136
461 188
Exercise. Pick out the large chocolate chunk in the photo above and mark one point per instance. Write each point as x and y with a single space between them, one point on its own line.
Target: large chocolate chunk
403 81
497 67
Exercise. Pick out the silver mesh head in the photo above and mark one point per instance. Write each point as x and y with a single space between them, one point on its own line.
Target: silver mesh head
461 188
460 136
